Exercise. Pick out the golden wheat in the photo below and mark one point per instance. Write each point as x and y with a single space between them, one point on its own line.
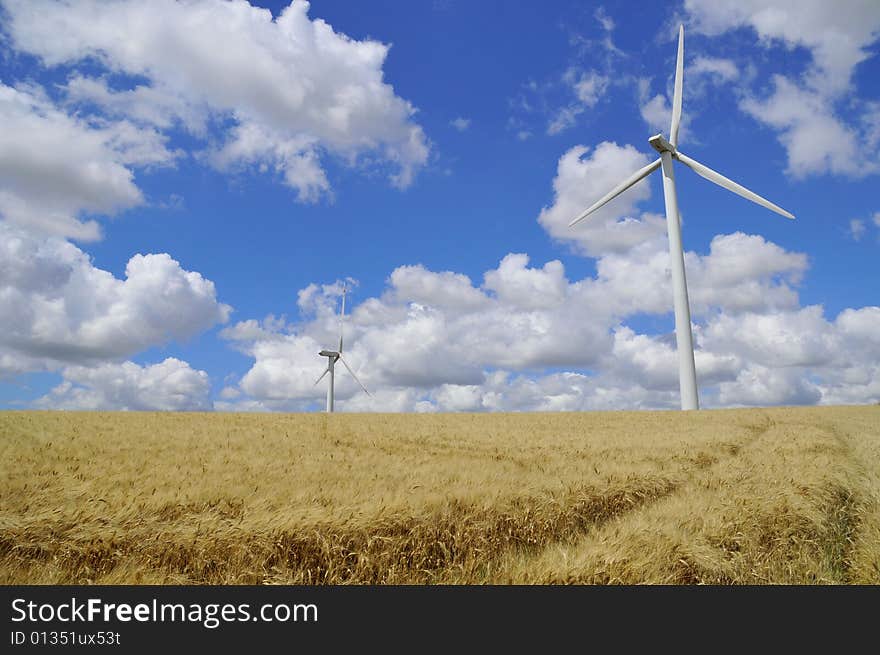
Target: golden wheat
777 495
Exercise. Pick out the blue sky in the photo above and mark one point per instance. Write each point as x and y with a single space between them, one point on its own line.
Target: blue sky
185 186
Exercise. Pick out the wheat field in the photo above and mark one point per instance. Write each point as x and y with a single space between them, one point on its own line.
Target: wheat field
751 496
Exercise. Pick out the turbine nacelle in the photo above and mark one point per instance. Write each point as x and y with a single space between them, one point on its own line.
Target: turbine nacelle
329 353
660 144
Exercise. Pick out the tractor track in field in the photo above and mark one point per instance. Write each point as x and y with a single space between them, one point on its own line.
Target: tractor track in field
455 539
701 464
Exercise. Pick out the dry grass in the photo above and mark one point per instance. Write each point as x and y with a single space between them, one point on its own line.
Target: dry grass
738 496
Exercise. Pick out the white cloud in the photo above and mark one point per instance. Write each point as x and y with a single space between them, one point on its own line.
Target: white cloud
230 393
745 273
800 357
838 34
517 285
435 342
564 118
740 273
724 69
763 386
422 333
815 140
580 181
782 339
154 105
54 168
588 87
858 328
168 386
652 362
252 330
561 100
461 124
856 229
295 158
285 368
59 309
808 110
459 397
657 113
604 19
291 87
606 41
452 292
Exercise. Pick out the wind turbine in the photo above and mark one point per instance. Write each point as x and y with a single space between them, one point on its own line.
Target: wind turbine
687 375
334 356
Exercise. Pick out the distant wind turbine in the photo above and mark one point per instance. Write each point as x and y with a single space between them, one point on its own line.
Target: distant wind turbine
687 375
336 355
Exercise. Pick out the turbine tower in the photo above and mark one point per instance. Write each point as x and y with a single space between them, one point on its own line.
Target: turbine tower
687 375
334 356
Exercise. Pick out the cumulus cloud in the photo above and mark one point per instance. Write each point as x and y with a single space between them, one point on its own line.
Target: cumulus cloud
800 357
782 339
281 91
452 292
461 124
762 386
171 385
428 329
582 177
745 272
740 273
54 168
815 140
433 341
517 285
60 309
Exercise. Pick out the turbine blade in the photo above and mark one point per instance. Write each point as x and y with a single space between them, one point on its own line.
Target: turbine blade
679 83
326 371
730 185
616 191
345 363
341 317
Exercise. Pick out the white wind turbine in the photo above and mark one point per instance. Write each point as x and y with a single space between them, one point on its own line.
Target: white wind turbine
334 356
687 375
